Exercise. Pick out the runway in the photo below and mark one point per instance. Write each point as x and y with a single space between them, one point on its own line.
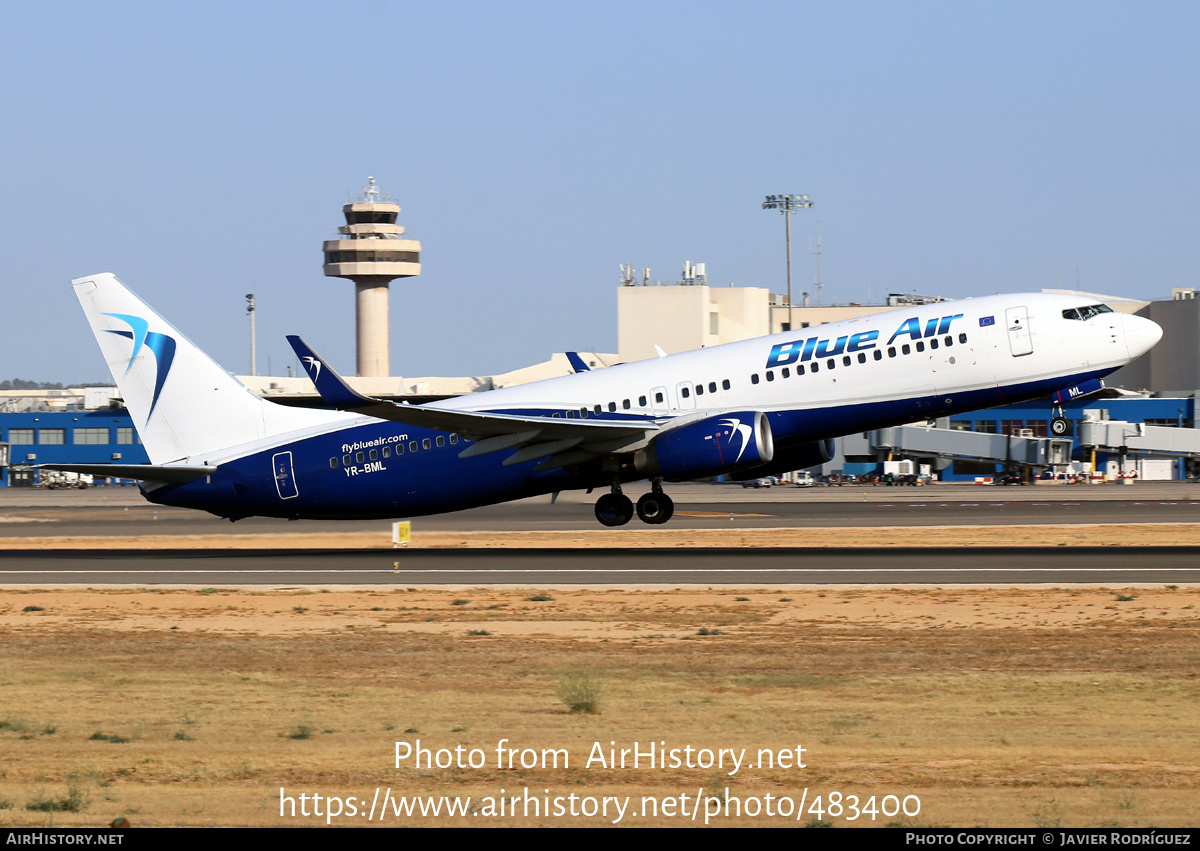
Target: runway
605 566
122 514
136 517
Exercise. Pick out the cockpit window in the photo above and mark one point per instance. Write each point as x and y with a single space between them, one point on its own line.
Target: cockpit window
1086 312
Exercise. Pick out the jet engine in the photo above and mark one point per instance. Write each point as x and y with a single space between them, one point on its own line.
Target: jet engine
792 458
711 447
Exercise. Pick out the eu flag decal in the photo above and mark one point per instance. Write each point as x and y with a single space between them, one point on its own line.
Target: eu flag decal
985 321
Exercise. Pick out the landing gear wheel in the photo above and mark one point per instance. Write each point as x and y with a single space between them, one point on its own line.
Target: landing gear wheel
1060 427
614 509
655 508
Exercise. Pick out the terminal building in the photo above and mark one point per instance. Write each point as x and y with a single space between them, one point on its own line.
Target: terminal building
1143 423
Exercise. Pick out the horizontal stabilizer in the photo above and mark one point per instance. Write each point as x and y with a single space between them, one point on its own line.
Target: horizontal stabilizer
172 474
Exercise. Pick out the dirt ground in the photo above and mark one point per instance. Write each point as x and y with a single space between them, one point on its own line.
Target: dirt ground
1077 534
1030 706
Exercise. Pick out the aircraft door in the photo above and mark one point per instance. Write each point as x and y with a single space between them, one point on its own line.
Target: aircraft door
1019 340
285 479
659 403
687 401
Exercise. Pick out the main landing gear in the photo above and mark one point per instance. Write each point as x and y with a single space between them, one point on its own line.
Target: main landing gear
616 509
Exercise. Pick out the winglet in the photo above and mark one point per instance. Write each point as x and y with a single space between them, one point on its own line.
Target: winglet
332 387
577 363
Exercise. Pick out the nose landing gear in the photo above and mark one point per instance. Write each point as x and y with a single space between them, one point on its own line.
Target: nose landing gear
1060 426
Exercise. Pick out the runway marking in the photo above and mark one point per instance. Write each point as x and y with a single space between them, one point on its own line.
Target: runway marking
1123 504
629 570
729 514
995 504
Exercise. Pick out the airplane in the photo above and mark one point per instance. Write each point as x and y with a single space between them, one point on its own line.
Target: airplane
744 410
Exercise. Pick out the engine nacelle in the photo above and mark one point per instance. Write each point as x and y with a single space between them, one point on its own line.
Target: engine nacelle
793 458
711 447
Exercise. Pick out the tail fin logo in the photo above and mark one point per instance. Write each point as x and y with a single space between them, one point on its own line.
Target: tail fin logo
161 345
314 366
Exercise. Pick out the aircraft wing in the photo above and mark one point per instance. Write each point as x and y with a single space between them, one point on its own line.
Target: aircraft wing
536 437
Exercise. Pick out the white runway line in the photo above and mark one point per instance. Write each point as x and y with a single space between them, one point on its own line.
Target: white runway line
631 570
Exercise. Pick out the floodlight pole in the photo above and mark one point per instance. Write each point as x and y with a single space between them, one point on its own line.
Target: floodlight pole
250 310
786 205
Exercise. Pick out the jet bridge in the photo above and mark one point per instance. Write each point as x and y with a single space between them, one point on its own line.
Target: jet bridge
975 446
1120 437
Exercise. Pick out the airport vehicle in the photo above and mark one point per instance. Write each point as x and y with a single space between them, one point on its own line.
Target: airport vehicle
54 479
750 410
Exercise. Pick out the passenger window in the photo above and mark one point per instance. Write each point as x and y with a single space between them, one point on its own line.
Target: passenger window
949 340
570 415
799 369
453 439
412 446
878 355
359 458
597 409
754 378
556 415
374 455
612 406
891 351
816 367
685 393
441 440
658 397
346 460
962 338
725 384
333 463
712 387
425 443
920 346
906 349
642 401
583 413
699 389
787 373
770 375
846 360
933 344
862 357
387 452
625 404
830 364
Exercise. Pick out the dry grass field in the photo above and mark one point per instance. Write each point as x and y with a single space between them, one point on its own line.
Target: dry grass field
994 707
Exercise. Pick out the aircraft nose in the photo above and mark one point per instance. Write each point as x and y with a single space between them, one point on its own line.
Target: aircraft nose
1141 334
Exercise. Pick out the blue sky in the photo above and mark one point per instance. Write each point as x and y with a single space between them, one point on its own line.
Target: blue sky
204 151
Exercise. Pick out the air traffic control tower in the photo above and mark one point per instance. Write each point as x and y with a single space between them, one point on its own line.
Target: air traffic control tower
371 252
